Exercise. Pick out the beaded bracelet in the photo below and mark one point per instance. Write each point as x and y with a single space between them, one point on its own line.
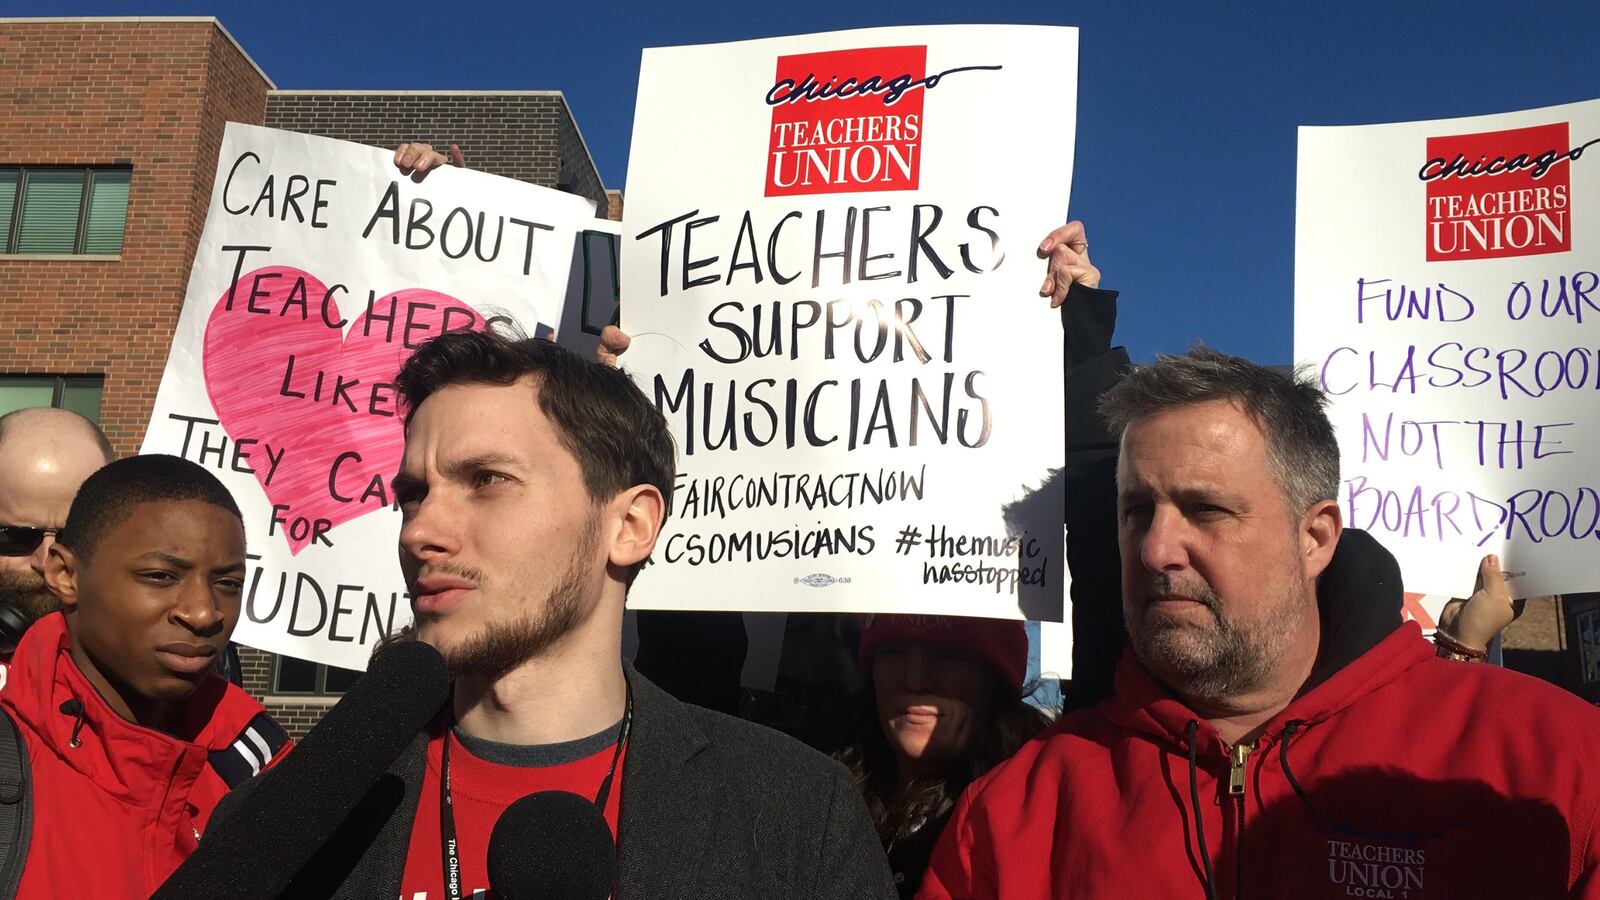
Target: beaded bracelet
1450 648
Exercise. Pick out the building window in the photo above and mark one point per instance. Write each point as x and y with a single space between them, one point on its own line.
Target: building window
299 676
79 393
61 210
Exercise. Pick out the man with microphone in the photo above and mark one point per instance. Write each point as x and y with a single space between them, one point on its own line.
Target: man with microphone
532 490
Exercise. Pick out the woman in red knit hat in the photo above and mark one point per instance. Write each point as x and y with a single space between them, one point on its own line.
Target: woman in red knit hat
942 703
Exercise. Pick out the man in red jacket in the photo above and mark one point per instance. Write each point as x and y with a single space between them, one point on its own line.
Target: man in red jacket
130 737
1232 761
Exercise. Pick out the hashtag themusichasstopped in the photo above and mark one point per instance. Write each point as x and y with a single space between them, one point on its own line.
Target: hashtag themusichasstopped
909 538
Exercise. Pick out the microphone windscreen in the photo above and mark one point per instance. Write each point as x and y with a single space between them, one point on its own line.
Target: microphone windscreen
552 844
301 802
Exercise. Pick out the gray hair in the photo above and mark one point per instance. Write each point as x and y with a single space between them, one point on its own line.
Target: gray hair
1288 408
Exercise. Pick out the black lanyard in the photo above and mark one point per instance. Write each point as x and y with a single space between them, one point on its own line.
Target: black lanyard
447 818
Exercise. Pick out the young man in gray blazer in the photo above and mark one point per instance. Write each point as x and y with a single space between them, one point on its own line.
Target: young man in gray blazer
532 490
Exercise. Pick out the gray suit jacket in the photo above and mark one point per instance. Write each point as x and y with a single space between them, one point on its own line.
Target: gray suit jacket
712 807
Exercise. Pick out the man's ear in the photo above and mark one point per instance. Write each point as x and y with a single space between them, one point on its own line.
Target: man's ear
636 517
61 568
1319 535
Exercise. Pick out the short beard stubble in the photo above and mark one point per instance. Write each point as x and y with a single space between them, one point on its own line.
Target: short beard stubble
26 592
1226 660
501 646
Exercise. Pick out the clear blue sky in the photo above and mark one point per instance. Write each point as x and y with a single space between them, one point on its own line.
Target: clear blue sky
1186 116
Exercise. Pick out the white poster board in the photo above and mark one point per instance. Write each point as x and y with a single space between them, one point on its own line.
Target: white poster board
320 269
829 272
1446 298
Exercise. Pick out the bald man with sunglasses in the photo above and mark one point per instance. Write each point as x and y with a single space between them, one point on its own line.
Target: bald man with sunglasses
45 455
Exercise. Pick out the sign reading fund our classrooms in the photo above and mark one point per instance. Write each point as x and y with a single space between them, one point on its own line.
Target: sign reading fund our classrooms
320 269
829 272
1446 298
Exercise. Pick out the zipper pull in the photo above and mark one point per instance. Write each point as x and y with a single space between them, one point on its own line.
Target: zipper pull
1239 754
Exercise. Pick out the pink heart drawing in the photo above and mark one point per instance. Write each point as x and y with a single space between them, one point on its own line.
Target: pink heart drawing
280 370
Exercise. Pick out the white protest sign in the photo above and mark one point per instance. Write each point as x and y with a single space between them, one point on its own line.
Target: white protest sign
1055 649
1446 298
829 273
320 269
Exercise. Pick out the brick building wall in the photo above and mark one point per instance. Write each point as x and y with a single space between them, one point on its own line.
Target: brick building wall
526 135
576 171
150 93
295 714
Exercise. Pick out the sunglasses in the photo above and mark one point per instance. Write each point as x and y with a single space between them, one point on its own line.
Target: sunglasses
21 540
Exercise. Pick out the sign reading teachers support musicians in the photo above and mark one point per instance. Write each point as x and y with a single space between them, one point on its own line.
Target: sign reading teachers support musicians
320 269
1446 297
829 272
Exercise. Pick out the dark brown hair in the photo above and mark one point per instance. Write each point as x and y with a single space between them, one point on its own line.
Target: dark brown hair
617 435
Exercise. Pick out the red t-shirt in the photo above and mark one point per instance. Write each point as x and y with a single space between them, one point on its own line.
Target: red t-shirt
485 778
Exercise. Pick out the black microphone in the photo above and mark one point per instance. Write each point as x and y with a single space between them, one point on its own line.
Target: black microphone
552 844
298 805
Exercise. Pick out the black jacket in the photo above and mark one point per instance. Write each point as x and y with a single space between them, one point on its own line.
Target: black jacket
712 807
1092 366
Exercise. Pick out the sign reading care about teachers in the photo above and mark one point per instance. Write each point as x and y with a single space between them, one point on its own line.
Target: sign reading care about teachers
829 272
1446 297
320 269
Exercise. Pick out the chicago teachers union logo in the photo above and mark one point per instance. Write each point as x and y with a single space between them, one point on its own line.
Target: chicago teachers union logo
849 120
1500 193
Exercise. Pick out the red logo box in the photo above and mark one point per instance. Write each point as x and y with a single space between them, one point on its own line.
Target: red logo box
833 129
1484 201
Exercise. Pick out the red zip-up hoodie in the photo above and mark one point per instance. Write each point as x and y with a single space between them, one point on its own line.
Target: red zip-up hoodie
116 806
1400 776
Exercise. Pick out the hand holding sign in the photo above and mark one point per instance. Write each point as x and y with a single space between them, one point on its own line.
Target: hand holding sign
418 159
613 343
1066 254
1475 621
